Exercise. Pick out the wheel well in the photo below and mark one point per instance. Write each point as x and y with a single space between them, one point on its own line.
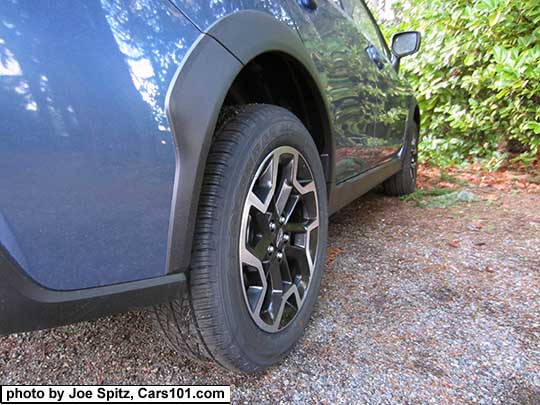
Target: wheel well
279 79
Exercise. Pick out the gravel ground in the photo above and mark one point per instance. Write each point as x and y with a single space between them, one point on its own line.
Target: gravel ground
420 305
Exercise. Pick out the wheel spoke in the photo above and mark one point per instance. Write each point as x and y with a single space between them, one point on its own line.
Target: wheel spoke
275 291
291 206
302 254
301 188
297 253
254 201
267 181
261 221
296 227
293 290
283 196
254 295
306 188
286 271
313 226
249 259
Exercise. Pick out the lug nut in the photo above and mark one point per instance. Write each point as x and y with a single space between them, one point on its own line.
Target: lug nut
279 255
270 249
272 226
281 220
286 237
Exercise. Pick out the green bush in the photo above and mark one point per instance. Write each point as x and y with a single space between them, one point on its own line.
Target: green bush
477 77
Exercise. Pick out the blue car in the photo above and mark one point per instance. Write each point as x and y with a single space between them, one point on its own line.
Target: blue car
186 155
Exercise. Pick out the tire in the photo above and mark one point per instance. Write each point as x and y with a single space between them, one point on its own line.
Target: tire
404 181
217 319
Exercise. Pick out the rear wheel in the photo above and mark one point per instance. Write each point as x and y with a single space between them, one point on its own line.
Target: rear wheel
404 181
259 246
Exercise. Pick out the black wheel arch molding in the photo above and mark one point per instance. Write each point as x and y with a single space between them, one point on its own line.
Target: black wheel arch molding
195 99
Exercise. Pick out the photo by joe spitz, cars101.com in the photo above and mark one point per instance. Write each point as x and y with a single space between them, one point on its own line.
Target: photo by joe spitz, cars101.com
185 156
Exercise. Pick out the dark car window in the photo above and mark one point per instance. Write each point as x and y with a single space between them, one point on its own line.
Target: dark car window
365 23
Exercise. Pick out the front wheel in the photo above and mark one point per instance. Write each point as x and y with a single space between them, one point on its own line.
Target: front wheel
404 181
259 247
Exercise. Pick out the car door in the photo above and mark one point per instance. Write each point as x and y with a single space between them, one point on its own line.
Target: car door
392 108
350 78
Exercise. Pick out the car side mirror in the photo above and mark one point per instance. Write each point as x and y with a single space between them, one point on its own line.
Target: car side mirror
404 44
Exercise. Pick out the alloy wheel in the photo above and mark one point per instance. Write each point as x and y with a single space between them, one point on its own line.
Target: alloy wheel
279 239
